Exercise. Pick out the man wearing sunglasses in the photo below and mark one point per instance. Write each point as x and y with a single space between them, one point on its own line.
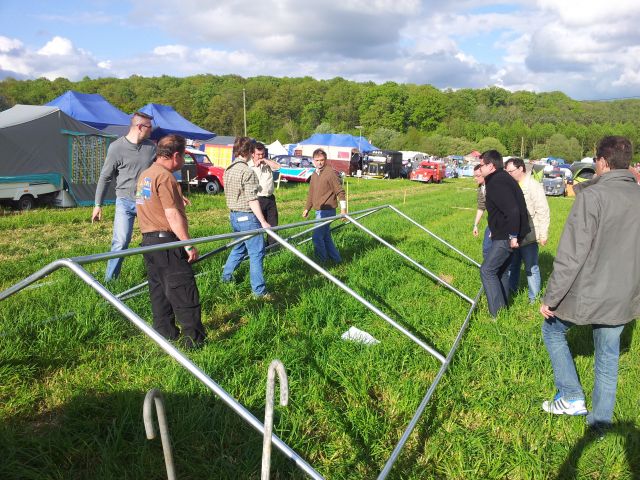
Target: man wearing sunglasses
595 281
126 158
508 224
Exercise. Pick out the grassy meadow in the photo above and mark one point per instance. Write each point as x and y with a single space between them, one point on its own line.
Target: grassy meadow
74 372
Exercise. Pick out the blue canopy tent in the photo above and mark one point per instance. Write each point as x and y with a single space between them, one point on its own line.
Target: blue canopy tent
339 140
166 121
93 110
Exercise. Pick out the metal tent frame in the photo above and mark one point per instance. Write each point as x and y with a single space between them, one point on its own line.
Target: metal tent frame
75 265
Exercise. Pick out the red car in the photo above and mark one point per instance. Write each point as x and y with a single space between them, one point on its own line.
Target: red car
198 171
428 172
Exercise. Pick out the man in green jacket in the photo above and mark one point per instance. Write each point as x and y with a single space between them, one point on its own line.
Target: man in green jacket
595 281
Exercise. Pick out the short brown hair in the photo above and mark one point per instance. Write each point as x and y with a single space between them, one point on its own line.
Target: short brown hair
171 144
517 163
243 147
318 152
135 118
492 156
616 150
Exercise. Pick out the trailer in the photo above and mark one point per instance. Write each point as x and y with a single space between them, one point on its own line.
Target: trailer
24 192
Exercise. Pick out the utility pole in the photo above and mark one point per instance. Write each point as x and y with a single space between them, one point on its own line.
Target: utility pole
244 110
522 147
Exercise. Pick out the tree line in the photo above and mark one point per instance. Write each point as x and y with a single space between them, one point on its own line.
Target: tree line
392 116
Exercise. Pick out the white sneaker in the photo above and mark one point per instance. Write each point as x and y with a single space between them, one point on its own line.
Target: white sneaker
560 406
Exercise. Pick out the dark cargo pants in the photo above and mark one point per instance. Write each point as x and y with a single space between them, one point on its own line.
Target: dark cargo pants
174 293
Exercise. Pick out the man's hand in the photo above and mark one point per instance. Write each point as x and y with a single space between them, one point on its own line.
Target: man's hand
96 215
513 243
475 230
343 211
546 311
305 214
186 201
192 253
542 242
265 224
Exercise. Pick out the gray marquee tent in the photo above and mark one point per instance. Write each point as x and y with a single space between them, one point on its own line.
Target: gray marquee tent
37 140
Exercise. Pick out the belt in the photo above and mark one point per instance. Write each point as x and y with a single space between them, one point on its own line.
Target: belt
159 235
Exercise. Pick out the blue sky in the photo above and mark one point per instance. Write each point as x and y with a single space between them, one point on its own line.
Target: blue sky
538 45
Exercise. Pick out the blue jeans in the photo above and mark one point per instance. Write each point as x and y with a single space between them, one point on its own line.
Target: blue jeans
486 242
122 230
323 243
254 247
606 341
494 273
528 254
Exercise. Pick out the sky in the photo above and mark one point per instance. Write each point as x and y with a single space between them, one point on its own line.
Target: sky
588 49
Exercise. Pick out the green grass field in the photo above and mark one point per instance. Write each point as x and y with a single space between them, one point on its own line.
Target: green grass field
74 372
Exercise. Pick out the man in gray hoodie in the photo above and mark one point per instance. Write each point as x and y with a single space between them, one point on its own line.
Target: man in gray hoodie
126 158
595 281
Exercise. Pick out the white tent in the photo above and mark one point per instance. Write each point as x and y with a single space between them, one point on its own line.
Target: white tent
276 148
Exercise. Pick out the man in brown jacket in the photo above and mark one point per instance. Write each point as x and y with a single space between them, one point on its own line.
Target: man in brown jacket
324 192
595 281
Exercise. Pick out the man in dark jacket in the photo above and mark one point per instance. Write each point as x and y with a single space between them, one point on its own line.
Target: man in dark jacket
508 224
595 281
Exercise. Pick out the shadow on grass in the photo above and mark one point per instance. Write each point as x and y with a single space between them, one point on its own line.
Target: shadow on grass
626 430
581 340
405 466
545 262
101 436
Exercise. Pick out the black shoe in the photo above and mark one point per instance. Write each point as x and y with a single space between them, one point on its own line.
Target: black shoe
598 429
187 343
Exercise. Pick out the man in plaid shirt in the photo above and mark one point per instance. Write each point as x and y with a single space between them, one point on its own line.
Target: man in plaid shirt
241 193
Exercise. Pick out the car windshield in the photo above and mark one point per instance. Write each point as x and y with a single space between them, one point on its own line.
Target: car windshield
200 158
295 162
553 175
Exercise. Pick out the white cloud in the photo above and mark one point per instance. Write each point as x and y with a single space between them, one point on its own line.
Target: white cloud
57 46
8 45
57 58
179 51
586 48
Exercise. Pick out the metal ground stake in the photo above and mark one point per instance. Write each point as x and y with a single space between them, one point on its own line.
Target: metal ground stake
275 366
147 413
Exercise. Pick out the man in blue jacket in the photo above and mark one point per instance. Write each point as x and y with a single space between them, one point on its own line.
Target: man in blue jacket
508 224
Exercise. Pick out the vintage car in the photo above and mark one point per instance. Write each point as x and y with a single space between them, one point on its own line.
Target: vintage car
466 170
198 171
383 164
554 182
295 169
428 172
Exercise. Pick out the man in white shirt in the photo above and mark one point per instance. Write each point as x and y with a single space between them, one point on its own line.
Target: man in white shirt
539 218
263 168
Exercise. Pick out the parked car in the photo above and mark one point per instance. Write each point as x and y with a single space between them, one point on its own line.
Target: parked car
198 171
383 164
428 172
554 182
466 170
295 169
